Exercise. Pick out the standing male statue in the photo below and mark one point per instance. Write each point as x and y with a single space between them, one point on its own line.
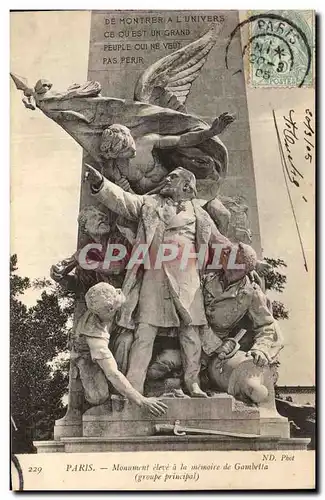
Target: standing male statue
169 296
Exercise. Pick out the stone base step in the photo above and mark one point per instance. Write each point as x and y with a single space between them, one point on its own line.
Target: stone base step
221 413
120 418
169 443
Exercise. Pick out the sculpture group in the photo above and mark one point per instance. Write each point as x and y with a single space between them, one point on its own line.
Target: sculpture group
170 292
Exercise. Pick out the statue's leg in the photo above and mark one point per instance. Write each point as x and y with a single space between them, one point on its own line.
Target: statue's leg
164 365
76 398
190 345
94 381
141 354
71 424
121 347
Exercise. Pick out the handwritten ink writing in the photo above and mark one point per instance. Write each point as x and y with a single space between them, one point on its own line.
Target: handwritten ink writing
290 139
308 135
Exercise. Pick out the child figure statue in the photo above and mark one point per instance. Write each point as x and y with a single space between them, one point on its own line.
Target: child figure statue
91 349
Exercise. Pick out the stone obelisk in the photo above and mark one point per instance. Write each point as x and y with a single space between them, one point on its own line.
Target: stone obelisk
124 43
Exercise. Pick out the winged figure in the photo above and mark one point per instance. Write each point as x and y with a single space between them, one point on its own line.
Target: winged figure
157 117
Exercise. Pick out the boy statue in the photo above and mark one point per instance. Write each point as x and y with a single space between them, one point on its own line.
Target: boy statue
92 337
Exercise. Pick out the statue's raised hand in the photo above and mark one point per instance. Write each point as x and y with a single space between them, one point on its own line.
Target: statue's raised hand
93 176
221 123
56 273
61 269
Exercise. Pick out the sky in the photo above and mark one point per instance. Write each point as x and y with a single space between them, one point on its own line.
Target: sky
46 166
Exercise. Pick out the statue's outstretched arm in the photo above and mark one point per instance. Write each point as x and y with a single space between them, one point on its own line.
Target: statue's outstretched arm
112 196
192 138
60 273
121 383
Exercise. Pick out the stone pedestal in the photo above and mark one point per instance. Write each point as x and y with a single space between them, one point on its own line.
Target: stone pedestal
122 426
68 426
222 413
169 443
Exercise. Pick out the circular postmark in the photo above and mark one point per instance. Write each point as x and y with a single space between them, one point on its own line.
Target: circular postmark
17 478
277 49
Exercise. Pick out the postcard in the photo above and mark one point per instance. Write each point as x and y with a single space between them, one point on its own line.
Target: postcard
162 250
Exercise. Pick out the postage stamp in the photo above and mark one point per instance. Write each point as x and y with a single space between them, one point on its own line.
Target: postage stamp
278 48
281 49
166 348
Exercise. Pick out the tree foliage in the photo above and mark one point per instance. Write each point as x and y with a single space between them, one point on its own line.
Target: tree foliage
37 335
276 280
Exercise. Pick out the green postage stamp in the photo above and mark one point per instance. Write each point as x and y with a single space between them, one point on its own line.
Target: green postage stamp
280 49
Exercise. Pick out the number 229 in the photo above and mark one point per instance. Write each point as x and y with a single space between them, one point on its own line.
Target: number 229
36 470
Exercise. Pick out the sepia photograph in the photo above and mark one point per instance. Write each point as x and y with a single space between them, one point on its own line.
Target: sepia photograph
162 254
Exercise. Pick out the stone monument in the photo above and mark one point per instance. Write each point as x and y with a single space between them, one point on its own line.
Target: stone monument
196 345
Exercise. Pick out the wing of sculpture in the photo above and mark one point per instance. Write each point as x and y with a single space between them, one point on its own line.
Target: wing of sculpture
168 81
84 114
159 108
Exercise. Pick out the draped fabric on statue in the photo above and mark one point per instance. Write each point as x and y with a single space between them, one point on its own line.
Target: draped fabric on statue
85 119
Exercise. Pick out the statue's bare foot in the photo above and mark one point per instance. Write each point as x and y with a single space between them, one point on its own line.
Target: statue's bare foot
213 394
180 394
196 392
175 393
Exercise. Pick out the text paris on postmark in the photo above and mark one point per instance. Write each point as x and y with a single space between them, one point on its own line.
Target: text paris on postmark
277 48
